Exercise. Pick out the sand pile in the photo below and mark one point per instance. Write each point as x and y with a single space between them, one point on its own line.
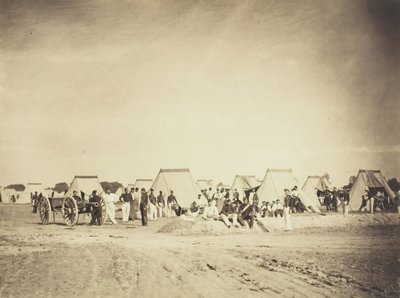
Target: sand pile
179 226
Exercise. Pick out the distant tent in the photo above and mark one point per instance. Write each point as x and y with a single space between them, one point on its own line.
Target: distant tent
205 184
30 189
274 183
244 183
84 186
310 186
374 180
181 182
143 183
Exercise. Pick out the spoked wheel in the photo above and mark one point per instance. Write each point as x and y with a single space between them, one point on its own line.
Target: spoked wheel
69 211
103 214
44 210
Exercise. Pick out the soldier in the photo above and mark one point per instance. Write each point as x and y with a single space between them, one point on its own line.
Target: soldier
109 200
160 204
144 202
95 211
287 207
152 205
35 201
126 199
171 201
75 196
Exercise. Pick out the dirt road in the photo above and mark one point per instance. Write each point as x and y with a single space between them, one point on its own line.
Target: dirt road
133 261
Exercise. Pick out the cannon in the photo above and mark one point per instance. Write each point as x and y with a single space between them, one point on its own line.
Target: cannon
69 207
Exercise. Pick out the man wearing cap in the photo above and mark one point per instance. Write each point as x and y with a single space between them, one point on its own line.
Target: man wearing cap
144 202
160 204
287 207
95 210
126 199
152 205
109 200
171 201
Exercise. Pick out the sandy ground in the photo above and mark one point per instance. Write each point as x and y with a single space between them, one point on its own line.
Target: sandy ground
324 256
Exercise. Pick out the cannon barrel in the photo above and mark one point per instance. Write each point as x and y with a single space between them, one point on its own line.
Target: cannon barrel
95 204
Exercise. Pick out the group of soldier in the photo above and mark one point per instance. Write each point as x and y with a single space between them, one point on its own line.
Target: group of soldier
334 200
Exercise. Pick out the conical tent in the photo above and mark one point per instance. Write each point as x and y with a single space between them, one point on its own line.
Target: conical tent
84 186
373 179
243 183
181 182
310 186
143 183
274 183
30 189
205 184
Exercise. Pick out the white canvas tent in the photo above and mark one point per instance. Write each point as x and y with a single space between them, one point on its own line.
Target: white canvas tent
243 183
30 189
143 183
205 184
181 182
310 187
4 196
274 183
85 185
373 179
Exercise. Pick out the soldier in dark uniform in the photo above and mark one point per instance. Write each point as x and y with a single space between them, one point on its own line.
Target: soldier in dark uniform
35 201
75 196
95 211
144 202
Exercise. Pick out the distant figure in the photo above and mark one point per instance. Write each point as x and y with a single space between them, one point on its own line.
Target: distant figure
235 195
245 217
210 212
335 199
75 196
152 206
278 210
132 211
95 211
160 204
364 200
35 202
126 199
144 202
136 200
228 213
287 207
171 201
109 200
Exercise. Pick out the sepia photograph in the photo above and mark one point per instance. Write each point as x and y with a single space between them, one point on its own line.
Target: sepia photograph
199 148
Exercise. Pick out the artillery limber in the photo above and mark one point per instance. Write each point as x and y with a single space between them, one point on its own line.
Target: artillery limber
69 207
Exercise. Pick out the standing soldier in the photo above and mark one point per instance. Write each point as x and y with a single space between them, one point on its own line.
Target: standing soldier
160 204
109 200
95 210
144 202
126 199
287 207
35 199
132 210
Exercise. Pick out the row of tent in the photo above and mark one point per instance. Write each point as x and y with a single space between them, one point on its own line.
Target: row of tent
186 189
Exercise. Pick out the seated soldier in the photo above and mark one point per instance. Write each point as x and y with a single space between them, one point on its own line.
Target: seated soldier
210 212
95 211
245 213
278 208
75 196
228 213
364 200
191 213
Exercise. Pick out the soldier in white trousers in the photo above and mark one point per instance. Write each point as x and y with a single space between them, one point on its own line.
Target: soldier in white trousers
109 200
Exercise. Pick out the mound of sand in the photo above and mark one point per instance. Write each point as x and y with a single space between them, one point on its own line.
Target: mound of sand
200 227
182 227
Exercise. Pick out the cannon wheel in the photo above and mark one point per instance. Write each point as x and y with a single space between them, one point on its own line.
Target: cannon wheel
103 211
69 211
44 210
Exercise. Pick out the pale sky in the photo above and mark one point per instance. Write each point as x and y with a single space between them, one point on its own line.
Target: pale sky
121 89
